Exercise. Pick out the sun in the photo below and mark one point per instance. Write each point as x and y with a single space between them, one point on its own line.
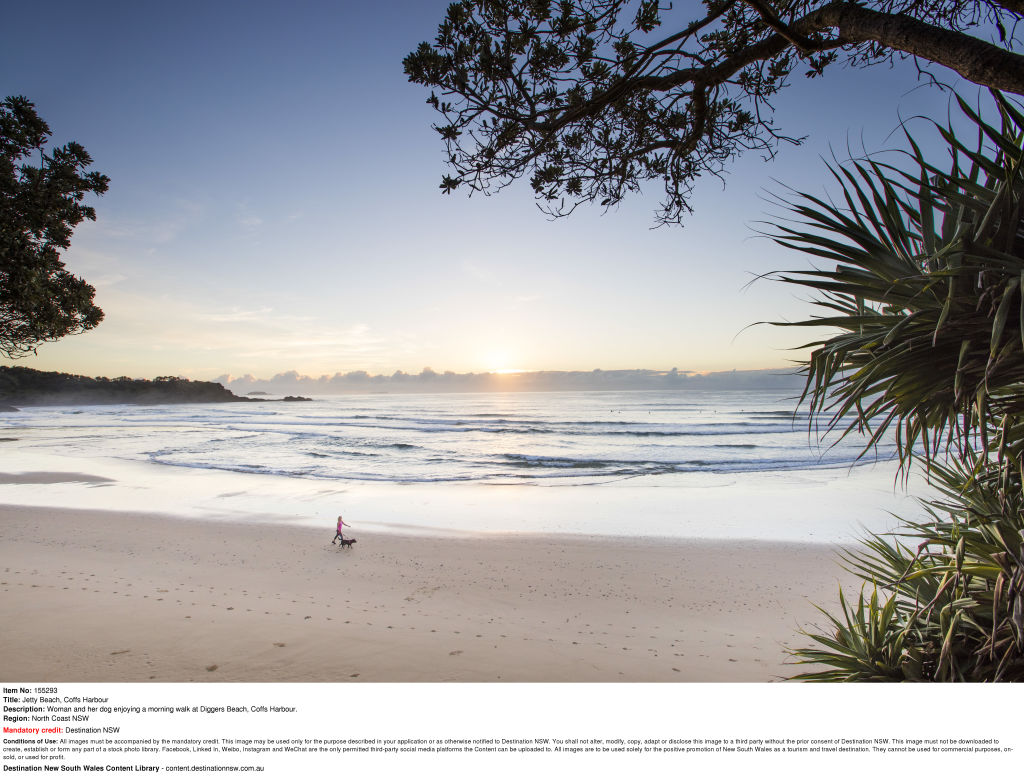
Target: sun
497 362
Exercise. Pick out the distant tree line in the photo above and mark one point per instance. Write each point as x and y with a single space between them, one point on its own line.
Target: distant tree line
24 386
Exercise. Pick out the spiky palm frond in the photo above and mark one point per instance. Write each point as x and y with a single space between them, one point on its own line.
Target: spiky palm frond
865 645
953 593
927 294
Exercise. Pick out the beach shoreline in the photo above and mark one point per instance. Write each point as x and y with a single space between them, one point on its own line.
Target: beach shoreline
103 596
826 506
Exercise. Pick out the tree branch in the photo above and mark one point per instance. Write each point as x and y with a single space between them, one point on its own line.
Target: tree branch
976 60
774 23
594 110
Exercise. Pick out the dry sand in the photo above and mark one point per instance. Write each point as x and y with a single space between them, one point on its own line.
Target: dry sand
105 597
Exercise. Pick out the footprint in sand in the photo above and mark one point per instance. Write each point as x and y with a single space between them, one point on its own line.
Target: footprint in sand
455 652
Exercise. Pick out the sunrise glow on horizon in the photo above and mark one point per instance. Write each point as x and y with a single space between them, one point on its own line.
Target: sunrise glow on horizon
273 207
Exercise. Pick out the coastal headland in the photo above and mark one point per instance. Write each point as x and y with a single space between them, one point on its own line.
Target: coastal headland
21 386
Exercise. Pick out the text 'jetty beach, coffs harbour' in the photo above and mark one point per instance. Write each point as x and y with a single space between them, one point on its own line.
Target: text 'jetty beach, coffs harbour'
651 536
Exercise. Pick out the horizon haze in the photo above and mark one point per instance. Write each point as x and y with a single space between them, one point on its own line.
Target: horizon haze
431 381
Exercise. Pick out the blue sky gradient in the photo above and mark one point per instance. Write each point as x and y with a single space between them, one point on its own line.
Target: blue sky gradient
274 206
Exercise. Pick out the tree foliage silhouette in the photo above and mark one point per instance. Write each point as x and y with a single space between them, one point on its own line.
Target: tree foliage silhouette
590 99
40 301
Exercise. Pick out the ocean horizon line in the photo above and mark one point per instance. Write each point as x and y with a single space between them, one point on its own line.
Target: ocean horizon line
431 381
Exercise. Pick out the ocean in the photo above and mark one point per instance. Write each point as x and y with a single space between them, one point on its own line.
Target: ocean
495 438
654 451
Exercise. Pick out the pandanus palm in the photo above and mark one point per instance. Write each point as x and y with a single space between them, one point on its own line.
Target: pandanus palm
923 301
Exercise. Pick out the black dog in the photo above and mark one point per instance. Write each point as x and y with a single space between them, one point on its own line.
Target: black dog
347 543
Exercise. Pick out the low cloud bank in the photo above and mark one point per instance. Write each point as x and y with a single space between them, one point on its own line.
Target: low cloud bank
429 381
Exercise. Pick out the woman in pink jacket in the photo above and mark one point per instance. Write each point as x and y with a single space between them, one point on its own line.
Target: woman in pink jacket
338 534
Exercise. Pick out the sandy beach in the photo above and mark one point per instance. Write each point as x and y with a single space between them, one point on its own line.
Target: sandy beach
110 596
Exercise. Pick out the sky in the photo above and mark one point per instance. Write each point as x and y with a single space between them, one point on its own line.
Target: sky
274 207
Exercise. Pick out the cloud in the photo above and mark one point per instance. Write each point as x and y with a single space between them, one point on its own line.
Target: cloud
431 381
478 271
178 216
246 218
239 338
237 315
